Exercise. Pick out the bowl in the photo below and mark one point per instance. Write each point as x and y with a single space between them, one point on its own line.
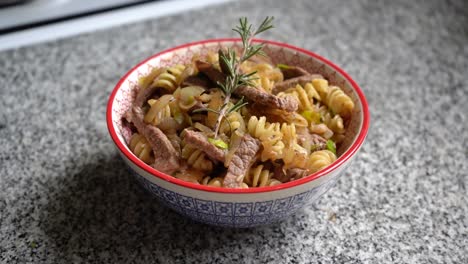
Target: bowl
237 207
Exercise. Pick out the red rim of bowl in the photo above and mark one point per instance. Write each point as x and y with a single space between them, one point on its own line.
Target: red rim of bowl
342 159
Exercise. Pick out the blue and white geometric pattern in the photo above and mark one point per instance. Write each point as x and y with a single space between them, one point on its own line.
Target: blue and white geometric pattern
234 214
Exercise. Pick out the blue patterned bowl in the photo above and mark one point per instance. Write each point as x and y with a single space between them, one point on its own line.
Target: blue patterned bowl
237 207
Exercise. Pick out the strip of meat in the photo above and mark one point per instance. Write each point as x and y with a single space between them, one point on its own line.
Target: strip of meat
263 98
211 72
312 141
197 81
166 157
302 80
292 173
293 71
241 161
200 141
251 94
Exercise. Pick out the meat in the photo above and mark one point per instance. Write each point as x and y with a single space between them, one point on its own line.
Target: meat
211 72
293 71
241 161
302 80
199 140
166 157
263 98
251 94
289 174
197 81
311 141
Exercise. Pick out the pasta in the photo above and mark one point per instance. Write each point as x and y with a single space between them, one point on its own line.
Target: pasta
140 146
196 158
170 78
260 177
200 142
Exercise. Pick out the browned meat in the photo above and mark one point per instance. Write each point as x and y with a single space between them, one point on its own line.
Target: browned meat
302 80
166 158
197 81
293 71
251 94
263 98
296 173
289 174
241 161
310 140
211 72
201 142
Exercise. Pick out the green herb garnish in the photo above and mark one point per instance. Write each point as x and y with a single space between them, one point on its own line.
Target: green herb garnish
283 66
218 143
230 64
331 146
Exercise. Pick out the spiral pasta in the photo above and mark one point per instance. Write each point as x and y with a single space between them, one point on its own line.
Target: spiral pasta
170 79
196 158
215 182
141 148
338 101
259 177
234 121
270 136
320 159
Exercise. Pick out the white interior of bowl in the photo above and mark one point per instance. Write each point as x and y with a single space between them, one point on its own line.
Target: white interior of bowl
278 54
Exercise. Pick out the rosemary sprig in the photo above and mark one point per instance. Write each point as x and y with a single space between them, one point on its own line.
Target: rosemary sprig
230 65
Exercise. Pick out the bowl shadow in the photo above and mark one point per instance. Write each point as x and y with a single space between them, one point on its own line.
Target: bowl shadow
102 212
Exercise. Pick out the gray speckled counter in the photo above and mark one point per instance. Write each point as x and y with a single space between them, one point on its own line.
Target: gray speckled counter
66 197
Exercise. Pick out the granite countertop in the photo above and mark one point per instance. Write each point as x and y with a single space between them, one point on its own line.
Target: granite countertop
66 197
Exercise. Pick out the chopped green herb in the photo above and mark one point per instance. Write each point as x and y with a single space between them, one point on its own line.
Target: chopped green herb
218 143
331 146
283 66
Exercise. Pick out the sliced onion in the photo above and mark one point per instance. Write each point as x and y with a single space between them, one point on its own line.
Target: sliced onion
233 146
203 128
187 96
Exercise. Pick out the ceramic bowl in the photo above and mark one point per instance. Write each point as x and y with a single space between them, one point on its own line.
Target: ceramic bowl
237 207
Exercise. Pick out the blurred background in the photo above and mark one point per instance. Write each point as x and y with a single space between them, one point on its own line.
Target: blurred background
25 22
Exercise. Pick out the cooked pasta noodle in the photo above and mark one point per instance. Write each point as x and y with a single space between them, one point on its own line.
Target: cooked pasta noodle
141 148
170 79
196 158
320 159
259 177
338 101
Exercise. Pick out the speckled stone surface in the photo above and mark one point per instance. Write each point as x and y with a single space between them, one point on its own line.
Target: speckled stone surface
65 196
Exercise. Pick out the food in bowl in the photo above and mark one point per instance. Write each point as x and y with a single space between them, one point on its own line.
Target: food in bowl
236 207
235 119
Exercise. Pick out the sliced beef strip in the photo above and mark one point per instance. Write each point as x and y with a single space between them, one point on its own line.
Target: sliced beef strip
304 137
251 94
167 158
197 80
302 80
293 71
263 98
292 173
296 173
241 161
200 141
211 72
